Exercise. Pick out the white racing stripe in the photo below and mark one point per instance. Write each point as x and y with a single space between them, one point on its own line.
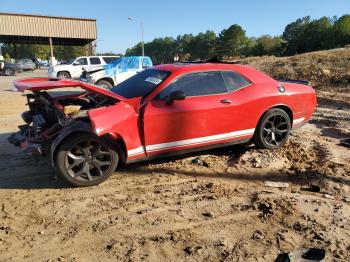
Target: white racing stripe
199 140
192 141
298 121
136 151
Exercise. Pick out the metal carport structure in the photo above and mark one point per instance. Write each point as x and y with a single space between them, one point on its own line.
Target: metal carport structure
52 30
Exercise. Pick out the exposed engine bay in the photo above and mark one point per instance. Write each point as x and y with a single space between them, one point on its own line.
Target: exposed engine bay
49 114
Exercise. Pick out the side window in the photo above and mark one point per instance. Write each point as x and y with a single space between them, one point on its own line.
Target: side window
108 59
95 61
197 84
146 63
234 81
82 61
129 63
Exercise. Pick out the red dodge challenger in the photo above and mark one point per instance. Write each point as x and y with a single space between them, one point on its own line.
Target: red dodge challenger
161 111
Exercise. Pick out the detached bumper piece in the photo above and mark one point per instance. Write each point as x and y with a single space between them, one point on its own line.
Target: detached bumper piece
19 139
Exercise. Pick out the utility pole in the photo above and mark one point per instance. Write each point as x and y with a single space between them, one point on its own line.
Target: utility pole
141 26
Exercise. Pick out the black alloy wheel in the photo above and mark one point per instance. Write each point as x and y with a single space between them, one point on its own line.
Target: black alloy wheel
273 129
85 160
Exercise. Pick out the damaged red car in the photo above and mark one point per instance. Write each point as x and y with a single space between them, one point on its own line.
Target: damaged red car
161 111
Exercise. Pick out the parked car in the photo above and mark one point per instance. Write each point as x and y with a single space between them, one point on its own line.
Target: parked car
74 67
44 63
161 111
117 71
8 68
26 64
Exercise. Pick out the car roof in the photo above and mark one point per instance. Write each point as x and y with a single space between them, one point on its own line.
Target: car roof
252 74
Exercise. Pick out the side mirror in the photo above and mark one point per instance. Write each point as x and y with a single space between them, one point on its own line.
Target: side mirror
76 63
175 95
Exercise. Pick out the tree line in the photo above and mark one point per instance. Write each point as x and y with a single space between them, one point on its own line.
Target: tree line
41 51
302 35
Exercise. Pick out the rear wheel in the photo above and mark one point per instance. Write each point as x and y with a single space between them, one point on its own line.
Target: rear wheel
104 84
86 160
9 72
273 129
63 75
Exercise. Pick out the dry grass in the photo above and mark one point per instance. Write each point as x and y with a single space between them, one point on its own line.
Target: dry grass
321 68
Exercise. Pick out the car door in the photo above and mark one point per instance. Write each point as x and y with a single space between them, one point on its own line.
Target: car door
203 118
78 66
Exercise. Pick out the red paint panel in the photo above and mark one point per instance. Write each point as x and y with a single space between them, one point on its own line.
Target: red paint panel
119 119
38 84
191 118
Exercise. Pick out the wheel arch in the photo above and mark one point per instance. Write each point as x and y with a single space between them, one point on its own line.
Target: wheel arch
114 138
108 79
285 108
64 71
85 127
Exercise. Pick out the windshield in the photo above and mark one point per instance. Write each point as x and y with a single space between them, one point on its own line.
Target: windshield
141 84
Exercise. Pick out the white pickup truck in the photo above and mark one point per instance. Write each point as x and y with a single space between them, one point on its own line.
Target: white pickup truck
74 67
116 72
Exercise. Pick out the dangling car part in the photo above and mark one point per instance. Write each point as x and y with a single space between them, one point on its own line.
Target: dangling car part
161 111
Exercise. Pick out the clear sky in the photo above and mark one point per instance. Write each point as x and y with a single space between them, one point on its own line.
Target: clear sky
171 18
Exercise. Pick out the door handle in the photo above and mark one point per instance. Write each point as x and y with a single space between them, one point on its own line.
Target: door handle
226 101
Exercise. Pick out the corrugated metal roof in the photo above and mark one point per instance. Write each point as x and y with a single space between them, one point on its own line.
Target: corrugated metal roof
47 26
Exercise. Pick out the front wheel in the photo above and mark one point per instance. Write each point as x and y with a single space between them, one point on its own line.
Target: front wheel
104 84
63 75
273 129
86 160
9 72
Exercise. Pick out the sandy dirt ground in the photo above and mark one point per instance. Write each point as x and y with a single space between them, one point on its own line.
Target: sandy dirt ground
209 206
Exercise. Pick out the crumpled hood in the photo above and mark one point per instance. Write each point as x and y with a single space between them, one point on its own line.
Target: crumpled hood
41 83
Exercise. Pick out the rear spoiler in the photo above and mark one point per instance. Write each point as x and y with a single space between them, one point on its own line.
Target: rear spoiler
303 82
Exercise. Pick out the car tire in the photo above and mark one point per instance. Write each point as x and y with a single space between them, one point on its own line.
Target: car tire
9 72
84 159
273 129
104 84
63 74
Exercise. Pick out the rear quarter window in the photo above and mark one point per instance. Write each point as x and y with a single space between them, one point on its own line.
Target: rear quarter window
234 80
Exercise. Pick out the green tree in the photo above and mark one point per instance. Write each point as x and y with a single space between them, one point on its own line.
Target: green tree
317 35
183 48
43 51
232 41
267 45
202 46
341 31
293 35
110 53
40 51
161 50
